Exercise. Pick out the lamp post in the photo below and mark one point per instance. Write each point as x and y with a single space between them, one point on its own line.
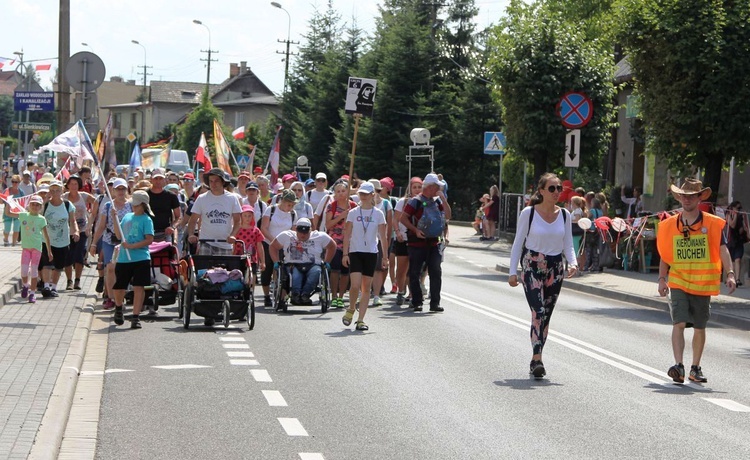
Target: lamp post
288 41
145 73
28 87
87 46
209 51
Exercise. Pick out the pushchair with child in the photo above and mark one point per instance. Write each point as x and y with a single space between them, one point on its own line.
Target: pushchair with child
166 285
218 288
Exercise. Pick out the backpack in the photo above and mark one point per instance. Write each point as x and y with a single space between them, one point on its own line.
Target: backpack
531 217
432 222
65 202
273 210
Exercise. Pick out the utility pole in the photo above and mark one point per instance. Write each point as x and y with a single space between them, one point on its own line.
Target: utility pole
63 53
209 51
288 42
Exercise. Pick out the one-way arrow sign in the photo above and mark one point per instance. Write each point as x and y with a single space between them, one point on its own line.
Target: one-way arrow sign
573 148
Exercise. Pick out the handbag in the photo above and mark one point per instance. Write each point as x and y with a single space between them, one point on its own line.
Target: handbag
606 258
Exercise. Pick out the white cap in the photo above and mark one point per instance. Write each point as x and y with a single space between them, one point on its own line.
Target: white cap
431 179
158 172
26 172
120 182
321 175
366 187
304 222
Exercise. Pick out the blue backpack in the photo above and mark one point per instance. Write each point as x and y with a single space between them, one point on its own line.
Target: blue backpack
432 222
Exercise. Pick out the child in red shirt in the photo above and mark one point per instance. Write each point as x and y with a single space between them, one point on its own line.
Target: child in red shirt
251 235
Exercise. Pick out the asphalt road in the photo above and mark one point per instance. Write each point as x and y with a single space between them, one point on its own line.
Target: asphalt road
453 385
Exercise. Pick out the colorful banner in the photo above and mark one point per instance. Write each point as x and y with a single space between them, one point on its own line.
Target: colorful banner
222 150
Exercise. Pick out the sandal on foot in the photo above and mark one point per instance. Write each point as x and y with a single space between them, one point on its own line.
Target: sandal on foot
361 326
347 319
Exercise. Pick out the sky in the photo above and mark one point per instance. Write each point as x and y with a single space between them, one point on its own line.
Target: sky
240 31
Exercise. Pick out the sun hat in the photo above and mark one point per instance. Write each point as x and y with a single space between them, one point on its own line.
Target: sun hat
55 183
376 184
119 182
141 197
45 179
215 172
366 187
288 195
691 186
248 208
43 188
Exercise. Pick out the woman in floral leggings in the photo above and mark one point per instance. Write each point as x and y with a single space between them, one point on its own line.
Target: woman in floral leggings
543 236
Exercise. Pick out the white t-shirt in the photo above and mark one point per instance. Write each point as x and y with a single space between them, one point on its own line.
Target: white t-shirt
365 223
280 221
321 209
216 212
314 197
303 252
549 239
401 227
303 209
259 208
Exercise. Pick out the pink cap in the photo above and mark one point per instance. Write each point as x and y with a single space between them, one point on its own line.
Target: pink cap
288 177
248 208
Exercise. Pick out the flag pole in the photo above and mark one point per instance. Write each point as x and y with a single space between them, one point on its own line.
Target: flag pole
357 116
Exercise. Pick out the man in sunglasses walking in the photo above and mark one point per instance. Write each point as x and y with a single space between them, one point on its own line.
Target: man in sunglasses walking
693 249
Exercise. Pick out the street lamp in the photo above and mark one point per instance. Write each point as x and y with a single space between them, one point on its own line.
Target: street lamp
288 41
145 73
208 67
28 84
88 46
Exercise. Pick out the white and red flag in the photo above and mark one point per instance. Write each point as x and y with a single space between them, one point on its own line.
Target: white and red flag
40 67
201 155
239 133
6 62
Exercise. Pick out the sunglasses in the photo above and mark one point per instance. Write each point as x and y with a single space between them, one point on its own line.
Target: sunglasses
320 180
555 188
14 182
303 229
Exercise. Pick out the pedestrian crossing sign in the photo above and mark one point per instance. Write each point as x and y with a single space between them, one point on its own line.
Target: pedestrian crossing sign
242 161
494 143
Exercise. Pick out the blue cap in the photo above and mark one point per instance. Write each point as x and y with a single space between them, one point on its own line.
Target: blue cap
309 182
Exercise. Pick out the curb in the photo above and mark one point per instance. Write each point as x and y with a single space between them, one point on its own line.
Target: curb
52 429
659 304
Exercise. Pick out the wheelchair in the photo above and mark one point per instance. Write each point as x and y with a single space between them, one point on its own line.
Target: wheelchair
282 286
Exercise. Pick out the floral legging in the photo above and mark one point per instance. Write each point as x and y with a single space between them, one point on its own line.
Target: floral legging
542 280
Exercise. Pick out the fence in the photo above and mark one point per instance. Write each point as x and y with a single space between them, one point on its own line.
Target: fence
511 205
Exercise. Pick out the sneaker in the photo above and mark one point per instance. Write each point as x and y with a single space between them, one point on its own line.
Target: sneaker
437 308
108 304
5 243
677 372
296 300
696 374
267 302
376 302
400 299
24 292
415 307
536 368
77 284
135 323
100 285
119 317
53 293
69 285
46 292
32 299
305 299
394 289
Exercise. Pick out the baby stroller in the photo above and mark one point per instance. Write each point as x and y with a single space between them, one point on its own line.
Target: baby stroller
166 285
220 301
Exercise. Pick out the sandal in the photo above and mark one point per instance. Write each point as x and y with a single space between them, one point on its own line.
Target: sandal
361 326
347 319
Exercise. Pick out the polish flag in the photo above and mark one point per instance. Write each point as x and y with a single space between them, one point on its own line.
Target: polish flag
201 155
6 62
239 133
43 67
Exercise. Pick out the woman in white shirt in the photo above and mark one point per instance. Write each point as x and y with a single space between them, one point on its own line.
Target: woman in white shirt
543 234
365 228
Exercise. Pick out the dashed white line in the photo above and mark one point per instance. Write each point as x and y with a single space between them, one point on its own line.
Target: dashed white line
240 354
232 339
235 346
261 375
729 404
181 366
292 426
274 398
224 332
244 362
310 456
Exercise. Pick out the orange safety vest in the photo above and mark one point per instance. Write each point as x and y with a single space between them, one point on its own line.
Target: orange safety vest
694 262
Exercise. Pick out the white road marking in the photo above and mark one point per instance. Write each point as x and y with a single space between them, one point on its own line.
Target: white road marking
244 362
292 426
261 375
461 257
232 339
311 456
225 332
180 366
107 371
240 354
593 351
274 398
235 346
729 404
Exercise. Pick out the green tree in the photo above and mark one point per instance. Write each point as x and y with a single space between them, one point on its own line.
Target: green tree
539 58
201 120
691 61
6 114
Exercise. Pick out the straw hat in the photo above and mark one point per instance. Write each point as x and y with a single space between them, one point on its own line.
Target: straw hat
691 186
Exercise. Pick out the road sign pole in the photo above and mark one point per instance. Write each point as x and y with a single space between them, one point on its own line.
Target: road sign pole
500 194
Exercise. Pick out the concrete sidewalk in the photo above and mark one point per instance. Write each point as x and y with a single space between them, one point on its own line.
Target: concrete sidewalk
40 354
633 287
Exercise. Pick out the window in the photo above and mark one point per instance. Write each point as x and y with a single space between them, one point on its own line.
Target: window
239 119
117 121
133 120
